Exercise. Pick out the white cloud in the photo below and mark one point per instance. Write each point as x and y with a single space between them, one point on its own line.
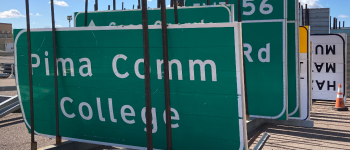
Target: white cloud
60 3
168 6
37 14
149 0
13 13
343 16
311 3
58 25
31 14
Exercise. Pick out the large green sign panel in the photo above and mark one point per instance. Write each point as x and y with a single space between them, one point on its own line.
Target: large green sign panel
219 13
265 69
266 11
273 35
250 9
101 85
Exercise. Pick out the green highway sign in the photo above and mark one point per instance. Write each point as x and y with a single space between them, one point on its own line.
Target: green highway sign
250 9
293 59
101 85
201 14
269 55
265 67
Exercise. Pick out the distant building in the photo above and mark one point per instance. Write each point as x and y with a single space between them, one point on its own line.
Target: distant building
6 36
318 20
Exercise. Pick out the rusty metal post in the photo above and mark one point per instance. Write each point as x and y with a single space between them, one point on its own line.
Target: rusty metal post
96 5
147 75
113 4
133 6
166 74
339 24
226 2
175 12
122 5
86 10
302 16
33 143
343 24
109 7
139 6
58 137
171 3
330 22
208 2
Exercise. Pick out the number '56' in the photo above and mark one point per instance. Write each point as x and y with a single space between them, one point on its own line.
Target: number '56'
264 8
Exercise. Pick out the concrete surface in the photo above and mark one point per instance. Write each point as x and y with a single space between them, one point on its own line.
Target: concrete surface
331 131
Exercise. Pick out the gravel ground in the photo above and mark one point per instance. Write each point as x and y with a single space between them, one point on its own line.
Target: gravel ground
8 82
15 136
331 131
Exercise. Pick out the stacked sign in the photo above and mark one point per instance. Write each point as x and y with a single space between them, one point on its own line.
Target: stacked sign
101 85
328 65
305 74
267 60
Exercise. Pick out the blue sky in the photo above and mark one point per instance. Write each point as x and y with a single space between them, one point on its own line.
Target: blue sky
13 11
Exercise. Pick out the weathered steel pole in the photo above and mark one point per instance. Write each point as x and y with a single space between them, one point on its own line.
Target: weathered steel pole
175 12
58 137
147 75
86 10
33 145
166 74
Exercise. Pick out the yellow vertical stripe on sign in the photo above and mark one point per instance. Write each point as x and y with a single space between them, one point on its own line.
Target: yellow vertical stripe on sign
303 37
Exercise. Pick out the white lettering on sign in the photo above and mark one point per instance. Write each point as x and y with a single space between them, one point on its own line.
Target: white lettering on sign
88 66
64 69
114 66
136 67
176 117
174 61
202 69
154 119
62 107
246 4
329 49
192 63
111 114
47 64
82 113
99 110
125 111
265 51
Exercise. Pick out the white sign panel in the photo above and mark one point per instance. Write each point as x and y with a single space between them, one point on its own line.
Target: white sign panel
328 65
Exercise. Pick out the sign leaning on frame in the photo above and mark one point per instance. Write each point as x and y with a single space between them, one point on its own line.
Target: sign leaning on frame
328 65
101 85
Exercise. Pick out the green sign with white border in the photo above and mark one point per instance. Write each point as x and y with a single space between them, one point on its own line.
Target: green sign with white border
200 14
101 85
276 41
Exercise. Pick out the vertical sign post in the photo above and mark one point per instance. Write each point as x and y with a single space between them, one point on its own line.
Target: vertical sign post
147 75
166 74
58 137
33 143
